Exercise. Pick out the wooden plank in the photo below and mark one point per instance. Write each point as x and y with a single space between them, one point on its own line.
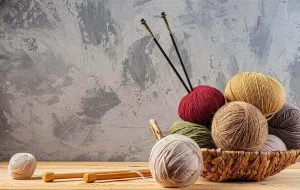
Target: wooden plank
287 179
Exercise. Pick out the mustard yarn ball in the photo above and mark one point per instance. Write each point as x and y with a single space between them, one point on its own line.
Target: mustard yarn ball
262 91
239 126
175 161
22 166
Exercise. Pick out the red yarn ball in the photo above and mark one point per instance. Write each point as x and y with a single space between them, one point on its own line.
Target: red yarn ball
201 104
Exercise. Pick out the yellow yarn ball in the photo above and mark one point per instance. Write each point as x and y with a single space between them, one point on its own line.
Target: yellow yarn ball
262 91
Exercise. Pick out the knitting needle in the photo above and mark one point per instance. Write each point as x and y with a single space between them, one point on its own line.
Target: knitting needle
51 176
156 130
164 16
143 22
92 177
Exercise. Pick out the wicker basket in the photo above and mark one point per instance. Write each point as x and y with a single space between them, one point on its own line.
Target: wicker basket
221 165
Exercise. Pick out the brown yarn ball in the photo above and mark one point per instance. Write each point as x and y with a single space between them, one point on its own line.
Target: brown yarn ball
239 126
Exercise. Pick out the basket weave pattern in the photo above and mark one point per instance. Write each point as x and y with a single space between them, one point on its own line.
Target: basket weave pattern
220 165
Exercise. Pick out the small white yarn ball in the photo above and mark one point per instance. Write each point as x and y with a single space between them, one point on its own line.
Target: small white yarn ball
273 143
176 161
22 166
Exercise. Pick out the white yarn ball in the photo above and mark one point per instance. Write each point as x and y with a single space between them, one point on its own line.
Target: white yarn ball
273 143
176 161
22 166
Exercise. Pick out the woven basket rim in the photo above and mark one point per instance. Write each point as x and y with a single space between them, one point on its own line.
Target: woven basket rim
223 165
241 151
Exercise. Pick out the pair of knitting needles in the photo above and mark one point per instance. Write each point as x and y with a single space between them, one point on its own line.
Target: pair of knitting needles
90 177
164 16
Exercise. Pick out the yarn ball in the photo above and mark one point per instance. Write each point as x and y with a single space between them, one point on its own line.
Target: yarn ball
239 126
260 90
22 166
200 105
286 125
176 161
273 143
199 133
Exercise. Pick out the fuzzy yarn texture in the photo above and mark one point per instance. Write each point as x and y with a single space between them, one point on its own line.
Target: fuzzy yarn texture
176 161
239 126
273 143
262 91
22 166
200 105
286 125
199 133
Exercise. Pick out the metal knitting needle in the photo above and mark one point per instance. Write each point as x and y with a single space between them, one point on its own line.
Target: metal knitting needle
164 16
143 22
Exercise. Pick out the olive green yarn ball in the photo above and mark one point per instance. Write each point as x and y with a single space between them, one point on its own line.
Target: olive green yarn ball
199 133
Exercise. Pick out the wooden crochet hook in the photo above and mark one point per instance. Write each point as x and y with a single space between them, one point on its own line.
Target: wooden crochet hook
92 177
156 130
51 176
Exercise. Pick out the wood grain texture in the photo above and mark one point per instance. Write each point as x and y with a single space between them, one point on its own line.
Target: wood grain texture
287 179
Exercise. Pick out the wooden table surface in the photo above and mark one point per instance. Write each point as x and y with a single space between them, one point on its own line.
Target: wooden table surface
287 179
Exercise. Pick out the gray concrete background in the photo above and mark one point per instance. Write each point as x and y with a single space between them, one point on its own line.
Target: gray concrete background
79 80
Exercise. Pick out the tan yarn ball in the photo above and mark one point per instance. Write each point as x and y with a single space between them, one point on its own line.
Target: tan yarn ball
239 126
176 161
262 91
22 166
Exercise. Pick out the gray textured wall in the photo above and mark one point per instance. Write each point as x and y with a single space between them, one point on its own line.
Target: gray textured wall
79 80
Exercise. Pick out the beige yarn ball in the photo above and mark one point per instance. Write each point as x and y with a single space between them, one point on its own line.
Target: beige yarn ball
176 161
22 166
239 126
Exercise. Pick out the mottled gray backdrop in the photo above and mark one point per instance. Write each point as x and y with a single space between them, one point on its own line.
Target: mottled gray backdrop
79 80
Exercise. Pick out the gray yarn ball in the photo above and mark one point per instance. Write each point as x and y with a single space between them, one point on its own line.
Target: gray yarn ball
286 125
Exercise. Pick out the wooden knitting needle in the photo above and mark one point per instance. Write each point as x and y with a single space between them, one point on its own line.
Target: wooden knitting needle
92 177
51 176
156 130
143 22
164 16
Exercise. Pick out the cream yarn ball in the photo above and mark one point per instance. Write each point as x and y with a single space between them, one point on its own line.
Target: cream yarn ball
176 161
22 166
273 143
